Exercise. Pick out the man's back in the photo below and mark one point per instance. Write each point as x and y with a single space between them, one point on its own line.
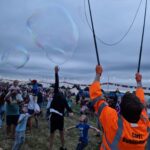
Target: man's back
127 131
128 135
59 102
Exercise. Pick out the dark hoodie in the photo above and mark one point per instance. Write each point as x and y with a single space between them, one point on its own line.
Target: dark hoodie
59 102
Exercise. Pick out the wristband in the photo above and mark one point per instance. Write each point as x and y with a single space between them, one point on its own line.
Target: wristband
139 84
97 78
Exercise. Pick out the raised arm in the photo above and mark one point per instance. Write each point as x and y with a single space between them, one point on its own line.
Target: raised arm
56 88
95 89
100 105
8 95
139 90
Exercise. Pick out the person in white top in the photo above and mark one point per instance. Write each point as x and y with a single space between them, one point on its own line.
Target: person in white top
31 105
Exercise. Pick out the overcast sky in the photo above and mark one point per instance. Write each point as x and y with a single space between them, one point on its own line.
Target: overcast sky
20 41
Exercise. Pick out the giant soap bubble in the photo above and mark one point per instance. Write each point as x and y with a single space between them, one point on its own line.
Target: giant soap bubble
15 57
54 31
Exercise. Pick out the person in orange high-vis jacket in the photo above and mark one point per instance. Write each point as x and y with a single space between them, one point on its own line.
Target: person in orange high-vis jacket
127 131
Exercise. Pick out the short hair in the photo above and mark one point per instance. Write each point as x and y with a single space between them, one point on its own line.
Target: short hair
131 107
83 118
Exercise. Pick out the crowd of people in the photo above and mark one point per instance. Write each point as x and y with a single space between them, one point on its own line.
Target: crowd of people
122 118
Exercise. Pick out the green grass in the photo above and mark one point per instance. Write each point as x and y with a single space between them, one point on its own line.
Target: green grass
39 140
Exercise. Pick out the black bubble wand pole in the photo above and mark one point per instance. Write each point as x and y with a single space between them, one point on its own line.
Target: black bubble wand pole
93 31
141 47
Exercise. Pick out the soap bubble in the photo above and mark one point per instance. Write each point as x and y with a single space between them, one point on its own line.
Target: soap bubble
16 57
54 31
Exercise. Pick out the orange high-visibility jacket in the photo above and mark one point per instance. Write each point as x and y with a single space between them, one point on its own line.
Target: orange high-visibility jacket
118 133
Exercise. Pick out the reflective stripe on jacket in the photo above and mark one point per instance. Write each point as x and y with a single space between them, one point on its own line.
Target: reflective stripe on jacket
119 134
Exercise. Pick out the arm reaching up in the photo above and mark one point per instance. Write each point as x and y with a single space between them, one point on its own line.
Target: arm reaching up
139 90
56 89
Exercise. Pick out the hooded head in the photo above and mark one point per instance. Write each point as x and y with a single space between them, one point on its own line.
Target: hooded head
131 107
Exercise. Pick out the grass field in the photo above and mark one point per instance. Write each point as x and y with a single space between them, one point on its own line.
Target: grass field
39 139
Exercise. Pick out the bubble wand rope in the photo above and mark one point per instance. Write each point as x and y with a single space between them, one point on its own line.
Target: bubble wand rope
93 31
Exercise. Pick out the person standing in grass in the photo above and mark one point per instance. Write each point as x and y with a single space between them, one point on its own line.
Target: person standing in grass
13 100
83 127
57 108
20 129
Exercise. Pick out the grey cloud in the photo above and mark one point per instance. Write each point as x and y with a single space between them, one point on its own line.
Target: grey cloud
111 20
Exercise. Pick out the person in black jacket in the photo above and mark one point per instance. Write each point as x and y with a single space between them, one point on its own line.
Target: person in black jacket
57 108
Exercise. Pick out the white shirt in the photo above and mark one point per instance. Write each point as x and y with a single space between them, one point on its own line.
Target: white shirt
31 103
